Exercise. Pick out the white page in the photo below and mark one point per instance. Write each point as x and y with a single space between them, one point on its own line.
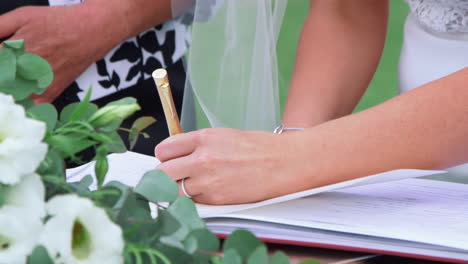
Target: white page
129 167
418 210
213 210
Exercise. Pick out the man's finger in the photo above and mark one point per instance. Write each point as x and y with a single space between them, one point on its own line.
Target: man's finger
177 169
176 146
10 22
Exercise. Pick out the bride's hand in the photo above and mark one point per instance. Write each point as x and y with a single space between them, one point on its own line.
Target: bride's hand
228 166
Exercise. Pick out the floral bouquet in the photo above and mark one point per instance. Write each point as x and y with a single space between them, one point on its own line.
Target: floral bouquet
44 219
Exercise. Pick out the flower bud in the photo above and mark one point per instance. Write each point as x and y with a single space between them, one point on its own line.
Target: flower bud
112 113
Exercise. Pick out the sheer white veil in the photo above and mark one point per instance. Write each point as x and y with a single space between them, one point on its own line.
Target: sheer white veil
232 64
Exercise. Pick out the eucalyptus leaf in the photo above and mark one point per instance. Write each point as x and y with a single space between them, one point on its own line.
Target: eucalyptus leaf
82 187
7 65
32 67
165 224
309 261
40 256
231 257
207 244
26 103
175 254
16 46
190 244
242 241
46 113
279 258
19 88
3 194
259 256
156 186
44 81
53 164
184 210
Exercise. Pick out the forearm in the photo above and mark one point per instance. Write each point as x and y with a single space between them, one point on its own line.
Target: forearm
426 128
339 50
122 19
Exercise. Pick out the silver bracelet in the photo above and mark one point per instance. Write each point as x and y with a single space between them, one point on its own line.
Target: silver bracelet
281 128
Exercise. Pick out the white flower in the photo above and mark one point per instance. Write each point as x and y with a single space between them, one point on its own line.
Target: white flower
21 219
79 232
19 232
29 194
21 147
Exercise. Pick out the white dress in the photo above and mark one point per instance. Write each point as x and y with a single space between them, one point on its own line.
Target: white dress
435 45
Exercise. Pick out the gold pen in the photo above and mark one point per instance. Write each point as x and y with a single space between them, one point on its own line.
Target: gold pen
170 112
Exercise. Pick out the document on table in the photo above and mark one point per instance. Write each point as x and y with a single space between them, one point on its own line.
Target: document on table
418 210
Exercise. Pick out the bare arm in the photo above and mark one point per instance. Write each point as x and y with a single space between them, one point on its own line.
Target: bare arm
338 52
426 128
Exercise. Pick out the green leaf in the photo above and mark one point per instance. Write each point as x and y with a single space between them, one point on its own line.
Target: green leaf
242 241
46 113
279 258
82 107
82 187
7 65
309 261
143 122
69 145
176 255
206 243
132 212
44 82
40 256
26 103
16 46
156 186
32 67
167 225
231 257
259 256
3 194
184 210
137 126
123 101
19 88
52 164
116 144
68 113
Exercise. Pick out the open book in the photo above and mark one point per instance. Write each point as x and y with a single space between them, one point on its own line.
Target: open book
390 213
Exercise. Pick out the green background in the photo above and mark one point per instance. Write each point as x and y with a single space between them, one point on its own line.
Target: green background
384 83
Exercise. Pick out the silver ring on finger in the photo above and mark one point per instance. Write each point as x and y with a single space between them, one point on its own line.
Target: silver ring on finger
184 190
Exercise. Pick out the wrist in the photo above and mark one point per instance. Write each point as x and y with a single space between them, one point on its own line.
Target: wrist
101 19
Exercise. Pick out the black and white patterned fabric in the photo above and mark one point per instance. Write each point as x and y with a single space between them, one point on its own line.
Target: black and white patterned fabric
132 61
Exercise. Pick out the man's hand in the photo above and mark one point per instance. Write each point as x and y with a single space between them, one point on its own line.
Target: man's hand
227 166
70 38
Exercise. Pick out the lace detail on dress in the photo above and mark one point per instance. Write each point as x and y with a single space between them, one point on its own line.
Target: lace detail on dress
441 15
